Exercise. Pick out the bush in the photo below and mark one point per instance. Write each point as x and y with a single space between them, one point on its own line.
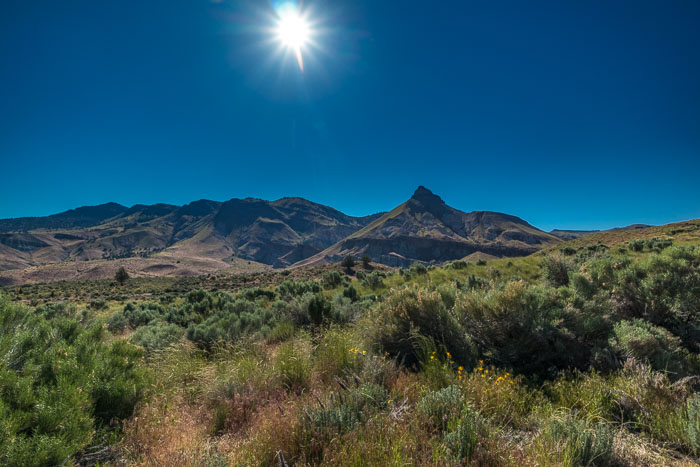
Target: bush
579 442
293 364
412 320
556 270
374 280
59 383
464 439
522 327
366 260
351 293
348 262
154 337
439 408
319 309
644 341
331 279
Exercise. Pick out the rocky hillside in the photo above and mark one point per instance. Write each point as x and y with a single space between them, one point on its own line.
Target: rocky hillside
200 237
427 230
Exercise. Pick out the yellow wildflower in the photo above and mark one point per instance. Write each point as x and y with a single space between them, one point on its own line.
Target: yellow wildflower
460 368
432 357
486 371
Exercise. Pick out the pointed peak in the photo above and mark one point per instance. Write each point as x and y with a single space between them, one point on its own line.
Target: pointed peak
422 191
425 196
425 199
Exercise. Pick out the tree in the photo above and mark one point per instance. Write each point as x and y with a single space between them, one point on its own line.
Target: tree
348 262
121 276
366 260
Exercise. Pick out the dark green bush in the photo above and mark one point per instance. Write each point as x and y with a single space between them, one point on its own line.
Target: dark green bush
413 319
59 382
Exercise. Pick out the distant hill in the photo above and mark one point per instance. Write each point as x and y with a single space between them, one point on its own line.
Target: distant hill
427 230
87 216
574 234
162 239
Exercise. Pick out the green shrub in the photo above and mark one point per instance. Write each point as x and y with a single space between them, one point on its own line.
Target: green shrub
578 441
154 337
463 440
283 331
374 280
646 342
556 270
59 384
331 279
293 364
413 319
522 327
319 309
439 408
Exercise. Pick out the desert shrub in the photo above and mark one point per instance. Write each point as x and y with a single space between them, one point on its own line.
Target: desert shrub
338 415
568 251
59 383
283 331
154 337
521 326
418 268
351 293
255 293
344 310
636 245
331 279
348 262
97 304
319 309
335 355
481 262
439 408
578 441
366 259
293 364
411 320
291 288
458 264
463 441
235 319
663 290
556 270
646 342
374 280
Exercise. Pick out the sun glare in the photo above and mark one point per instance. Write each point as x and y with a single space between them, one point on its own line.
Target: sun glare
293 32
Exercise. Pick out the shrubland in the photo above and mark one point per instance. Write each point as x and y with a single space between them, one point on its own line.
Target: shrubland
578 356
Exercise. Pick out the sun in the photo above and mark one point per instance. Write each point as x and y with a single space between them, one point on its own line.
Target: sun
293 30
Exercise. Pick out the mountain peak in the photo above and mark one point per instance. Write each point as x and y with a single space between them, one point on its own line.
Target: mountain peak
428 199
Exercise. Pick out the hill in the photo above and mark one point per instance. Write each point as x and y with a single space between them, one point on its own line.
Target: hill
162 239
427 230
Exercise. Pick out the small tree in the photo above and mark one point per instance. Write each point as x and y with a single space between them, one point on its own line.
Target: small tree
121 276
348 262
366 260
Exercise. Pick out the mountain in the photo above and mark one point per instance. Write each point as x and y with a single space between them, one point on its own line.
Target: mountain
75 218
427 230
571 234
574 234
163 239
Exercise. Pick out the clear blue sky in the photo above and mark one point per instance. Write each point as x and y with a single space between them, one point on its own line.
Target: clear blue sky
569 114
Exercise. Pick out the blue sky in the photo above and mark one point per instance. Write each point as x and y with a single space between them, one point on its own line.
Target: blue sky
576 114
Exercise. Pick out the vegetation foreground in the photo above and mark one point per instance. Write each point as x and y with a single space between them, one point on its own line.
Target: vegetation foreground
588 355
